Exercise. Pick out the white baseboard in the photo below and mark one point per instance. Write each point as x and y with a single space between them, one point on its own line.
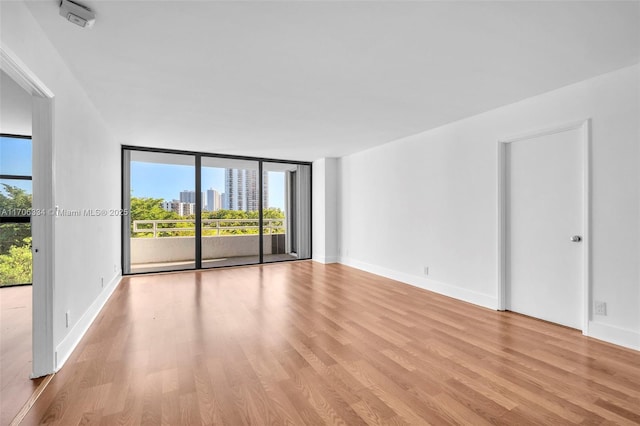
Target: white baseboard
328 259
71 340
459 293
616 335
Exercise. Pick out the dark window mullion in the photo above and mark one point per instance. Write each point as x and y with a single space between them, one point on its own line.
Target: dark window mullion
16 177
198 211
15 219
260 213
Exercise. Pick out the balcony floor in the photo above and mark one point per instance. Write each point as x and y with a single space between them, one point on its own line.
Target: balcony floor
208 263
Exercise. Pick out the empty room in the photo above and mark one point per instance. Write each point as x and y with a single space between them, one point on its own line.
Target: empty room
319 212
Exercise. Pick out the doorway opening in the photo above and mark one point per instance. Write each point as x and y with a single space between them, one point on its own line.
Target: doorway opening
16 261
40 103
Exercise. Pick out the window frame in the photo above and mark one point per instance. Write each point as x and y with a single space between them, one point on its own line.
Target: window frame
198 156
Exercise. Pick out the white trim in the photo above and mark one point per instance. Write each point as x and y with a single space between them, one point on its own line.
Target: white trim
327 259
20 73
445 289
616 335
42 230
585 127
79 329
43 233
586 182
501 248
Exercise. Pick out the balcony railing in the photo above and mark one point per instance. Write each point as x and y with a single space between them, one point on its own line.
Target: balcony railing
210 227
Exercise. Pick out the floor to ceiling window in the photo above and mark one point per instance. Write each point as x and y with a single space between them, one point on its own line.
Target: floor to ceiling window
15 210
230 219
286 210
196 210
161 212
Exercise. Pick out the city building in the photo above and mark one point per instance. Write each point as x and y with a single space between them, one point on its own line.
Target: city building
224 201
214 200
179 207
241 189
188 196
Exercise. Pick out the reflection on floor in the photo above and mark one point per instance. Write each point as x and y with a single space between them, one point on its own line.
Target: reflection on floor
302 343
15 350
208 263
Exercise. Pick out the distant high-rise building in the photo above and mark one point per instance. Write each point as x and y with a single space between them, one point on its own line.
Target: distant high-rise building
225 201
183 209
241 189
170 206
234 188
214 200
187 196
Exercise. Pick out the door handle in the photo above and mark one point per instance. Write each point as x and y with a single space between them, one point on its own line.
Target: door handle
576 239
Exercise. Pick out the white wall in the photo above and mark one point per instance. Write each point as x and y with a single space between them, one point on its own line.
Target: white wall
86 176
325 214
431 200
15 107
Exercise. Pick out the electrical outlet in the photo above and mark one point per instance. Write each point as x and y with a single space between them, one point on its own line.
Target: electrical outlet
426 270
600 308
102 282
67 318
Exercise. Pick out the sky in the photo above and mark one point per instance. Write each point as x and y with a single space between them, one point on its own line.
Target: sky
15 159
147 179
166 181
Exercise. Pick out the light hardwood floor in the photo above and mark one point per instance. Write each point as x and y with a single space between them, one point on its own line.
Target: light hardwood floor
15 351
304 343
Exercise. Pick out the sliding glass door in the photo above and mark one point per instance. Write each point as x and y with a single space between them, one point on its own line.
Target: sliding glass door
286 211
159 231
230 217
195 210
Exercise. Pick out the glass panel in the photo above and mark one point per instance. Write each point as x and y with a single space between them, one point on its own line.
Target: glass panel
15 197
15 254
15 156
230 231
286 217
162 212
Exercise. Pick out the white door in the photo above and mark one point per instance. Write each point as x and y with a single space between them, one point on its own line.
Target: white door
544 213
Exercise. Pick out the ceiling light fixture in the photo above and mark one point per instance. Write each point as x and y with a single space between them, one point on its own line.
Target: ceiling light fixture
77 13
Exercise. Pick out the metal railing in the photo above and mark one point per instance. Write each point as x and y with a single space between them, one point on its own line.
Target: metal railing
218 226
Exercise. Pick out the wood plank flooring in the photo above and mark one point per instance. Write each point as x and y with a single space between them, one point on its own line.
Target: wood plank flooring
15 351
304 343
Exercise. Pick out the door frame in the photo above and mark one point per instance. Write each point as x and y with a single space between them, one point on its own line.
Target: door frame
584 126
42 226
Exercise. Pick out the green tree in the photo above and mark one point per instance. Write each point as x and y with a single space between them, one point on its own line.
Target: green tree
16 265
236 222
151 209
13 199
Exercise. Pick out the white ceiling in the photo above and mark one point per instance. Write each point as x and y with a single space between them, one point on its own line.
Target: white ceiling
303 80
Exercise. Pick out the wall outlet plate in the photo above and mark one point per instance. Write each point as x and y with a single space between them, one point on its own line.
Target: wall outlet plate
600 308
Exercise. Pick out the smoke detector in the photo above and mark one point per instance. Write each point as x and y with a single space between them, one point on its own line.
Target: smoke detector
77 13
